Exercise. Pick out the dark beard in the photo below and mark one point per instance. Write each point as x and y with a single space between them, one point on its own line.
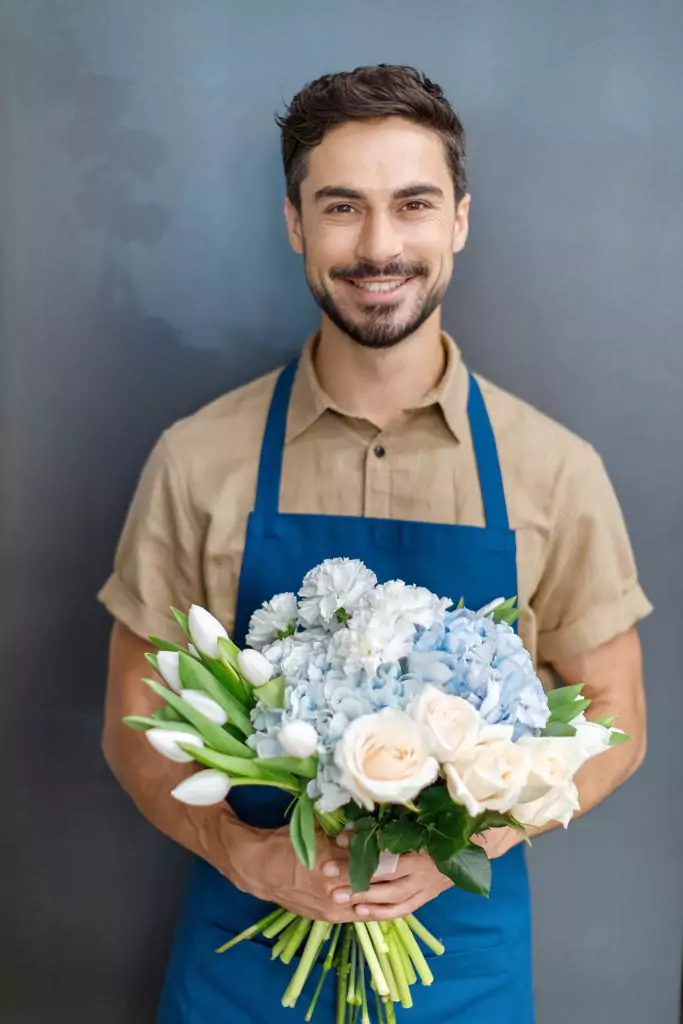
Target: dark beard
378 331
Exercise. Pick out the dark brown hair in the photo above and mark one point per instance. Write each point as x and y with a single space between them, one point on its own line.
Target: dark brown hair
384 90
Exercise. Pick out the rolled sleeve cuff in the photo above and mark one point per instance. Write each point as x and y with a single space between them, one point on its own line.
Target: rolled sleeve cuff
140 618
596 627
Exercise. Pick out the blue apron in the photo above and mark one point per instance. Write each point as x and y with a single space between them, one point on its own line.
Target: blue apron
485 975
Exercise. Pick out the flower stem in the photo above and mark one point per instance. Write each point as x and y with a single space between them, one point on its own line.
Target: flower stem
414 952
342 974
372 959
351 988
316 938
284 939
279 926
429 940
365 1013
295 940
253 930
411 976
398 971
381 948
327 966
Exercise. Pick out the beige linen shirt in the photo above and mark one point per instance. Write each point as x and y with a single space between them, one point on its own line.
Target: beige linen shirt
184 535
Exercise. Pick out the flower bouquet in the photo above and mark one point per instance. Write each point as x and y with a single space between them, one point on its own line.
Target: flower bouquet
383 710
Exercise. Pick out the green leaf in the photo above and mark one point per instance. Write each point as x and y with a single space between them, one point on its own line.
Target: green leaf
230 679
364 858
272 693
302 831
402 836
564 695
364 824
559 729
607 721
494 819
166 714
142 724
617 738
181 619
306 767
454 823
506 612
432 802
469 869
166 645
353 811
228 651
213 734
460 604
567 712
195 676
241 766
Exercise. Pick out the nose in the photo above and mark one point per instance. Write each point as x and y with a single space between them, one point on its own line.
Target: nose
379 241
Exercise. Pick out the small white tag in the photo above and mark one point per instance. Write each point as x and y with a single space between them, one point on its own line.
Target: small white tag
388 862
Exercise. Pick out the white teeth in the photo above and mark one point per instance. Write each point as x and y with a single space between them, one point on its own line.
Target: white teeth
375 286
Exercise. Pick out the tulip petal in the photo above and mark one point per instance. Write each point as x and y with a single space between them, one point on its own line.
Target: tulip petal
165 742
205 629
168 667
203 788
208 707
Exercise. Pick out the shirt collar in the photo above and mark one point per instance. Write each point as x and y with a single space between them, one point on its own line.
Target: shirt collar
309 401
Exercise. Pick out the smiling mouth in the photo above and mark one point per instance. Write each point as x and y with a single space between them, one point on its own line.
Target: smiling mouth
380 287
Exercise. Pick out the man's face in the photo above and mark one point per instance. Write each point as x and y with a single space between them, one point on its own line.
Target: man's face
378 228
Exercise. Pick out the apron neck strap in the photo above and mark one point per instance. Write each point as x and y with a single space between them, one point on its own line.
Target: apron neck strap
486 453
488 465
273 446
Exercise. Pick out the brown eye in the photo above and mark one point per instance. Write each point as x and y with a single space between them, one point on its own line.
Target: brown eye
341 208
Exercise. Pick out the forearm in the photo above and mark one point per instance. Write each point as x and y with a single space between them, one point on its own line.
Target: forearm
213 833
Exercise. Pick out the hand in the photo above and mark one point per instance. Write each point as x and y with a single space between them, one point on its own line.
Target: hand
263 863
497 841
415 881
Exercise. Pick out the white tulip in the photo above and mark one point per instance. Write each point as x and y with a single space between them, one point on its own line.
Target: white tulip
491 607
201 701
254 667
203 789
166 741
298 739
168 664
205 630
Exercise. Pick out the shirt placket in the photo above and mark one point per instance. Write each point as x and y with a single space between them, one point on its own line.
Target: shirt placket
377 499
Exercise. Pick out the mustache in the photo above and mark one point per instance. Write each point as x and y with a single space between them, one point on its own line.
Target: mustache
364 270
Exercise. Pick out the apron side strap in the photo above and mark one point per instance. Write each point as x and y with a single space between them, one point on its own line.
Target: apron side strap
488 464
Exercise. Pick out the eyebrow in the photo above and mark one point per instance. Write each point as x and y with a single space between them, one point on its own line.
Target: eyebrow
419 188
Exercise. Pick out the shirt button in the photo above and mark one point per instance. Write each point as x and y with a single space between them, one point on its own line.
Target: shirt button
380 452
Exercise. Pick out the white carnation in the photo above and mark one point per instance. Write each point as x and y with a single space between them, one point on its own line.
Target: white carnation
335 584
273 618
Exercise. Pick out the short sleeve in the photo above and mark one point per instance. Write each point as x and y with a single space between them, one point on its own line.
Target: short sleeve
158 558
589 591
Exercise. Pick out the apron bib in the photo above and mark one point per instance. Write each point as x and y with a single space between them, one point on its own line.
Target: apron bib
485 976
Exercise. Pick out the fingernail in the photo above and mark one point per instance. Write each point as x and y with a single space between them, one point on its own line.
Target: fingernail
331 869
388 862
343 841
341 897
362 911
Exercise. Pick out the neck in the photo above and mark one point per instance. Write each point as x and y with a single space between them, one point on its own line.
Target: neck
378 384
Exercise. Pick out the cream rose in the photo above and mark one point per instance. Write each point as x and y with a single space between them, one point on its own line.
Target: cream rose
554 762
385 758
491 778
452 722
557 804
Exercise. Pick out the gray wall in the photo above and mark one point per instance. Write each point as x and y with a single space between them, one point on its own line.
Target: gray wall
144 269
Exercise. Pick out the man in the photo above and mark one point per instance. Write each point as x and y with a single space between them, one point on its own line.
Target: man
379 422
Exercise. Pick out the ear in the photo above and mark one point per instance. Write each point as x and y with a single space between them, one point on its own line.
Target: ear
293 219
462 223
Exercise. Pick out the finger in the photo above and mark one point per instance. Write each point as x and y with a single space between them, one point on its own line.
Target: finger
390 911
386 892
